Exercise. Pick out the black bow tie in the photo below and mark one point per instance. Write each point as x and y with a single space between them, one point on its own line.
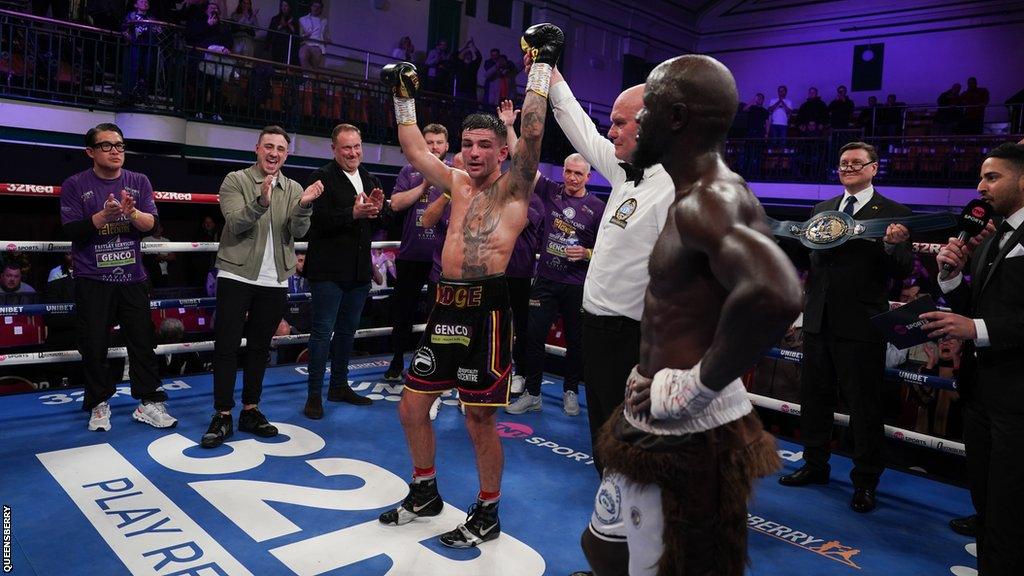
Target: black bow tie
632 173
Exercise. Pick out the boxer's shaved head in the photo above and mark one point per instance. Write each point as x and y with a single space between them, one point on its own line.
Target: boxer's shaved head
689 97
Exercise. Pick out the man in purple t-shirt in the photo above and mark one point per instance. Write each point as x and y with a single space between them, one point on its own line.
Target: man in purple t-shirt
571 217
105 211
412 192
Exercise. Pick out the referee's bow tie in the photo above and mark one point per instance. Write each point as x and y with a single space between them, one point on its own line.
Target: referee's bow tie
632 173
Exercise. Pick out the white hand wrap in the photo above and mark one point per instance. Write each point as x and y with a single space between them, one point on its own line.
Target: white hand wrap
677 393
540 79
681 404
405 110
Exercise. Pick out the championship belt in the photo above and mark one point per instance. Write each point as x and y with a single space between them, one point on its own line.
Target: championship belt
833 228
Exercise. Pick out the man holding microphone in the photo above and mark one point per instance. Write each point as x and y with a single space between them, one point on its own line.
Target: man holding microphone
988 314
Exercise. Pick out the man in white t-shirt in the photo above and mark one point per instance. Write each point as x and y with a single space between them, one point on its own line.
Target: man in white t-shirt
780 109
314 34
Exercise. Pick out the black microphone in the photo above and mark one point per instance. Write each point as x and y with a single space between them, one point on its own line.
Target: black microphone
973 219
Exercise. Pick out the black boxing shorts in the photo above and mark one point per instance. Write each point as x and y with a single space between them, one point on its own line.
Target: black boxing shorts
467 343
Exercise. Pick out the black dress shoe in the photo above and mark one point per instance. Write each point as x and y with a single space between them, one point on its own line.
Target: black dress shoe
863 500
219 431
805 476
314 409
346 394
966 526
252 420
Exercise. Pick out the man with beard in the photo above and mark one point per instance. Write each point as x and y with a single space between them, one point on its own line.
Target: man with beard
683 454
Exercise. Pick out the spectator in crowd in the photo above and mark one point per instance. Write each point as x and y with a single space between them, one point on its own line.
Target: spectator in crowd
284 28
382 261
780 108
200 263
172 331
843 351
840 110
439 68
338 264
1015 108
143 40
412 192
158 265
500 80
948 116
105 211
757 117
466 65
62 333
298 315
214 36
867 116
247 20
889 117
974 101
61 270
315 35
13 290
490 74
812 115
405 50
264 211
571 218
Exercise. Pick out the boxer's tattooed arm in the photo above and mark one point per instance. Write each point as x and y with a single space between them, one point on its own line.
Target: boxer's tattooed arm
527 153
482 218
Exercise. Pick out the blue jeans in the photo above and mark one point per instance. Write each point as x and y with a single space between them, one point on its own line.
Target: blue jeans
336 306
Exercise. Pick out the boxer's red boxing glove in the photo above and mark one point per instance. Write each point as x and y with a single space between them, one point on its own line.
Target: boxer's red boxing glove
543 42
402 78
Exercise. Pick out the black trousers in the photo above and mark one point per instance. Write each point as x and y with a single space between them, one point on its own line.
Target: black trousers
612 348
98 306
994 437
519 301
856 370
253 312
547 300
412 275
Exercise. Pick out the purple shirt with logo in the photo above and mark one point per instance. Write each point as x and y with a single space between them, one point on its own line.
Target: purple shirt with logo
524 255
568 220
442 230
113 254
418 243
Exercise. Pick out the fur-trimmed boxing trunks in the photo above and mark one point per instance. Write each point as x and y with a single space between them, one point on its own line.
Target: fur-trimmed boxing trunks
679 500
467 343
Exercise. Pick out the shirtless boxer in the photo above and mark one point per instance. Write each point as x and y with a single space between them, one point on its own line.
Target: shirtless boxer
681 458
467 343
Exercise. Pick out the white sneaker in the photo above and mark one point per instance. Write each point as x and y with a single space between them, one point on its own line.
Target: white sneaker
100 419
518 384
434 408
570 403
155 414
524 403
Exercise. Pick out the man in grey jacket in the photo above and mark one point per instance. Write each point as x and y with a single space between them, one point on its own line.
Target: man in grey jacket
264 211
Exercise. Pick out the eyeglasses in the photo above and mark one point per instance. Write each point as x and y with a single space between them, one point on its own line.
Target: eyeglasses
854 166
108 146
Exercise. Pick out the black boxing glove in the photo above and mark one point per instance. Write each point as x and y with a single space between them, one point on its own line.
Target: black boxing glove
402 78
544 43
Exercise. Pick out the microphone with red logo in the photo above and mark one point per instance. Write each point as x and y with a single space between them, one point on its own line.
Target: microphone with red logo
973 219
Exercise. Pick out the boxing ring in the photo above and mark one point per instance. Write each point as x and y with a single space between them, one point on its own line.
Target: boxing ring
145 501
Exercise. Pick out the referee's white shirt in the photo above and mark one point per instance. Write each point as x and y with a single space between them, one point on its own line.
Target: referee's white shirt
633 218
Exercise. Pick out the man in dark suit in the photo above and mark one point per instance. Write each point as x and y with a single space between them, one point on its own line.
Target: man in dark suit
847 285
338 265
988 312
